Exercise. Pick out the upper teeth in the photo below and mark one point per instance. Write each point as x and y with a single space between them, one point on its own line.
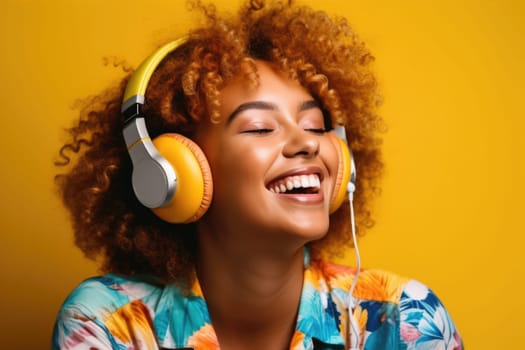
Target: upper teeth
299 181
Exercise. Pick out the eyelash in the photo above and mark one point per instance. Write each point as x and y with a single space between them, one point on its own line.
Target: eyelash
258 131
266 130
317 130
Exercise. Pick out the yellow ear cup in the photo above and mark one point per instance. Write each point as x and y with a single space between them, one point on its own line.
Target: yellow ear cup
343 173
194 182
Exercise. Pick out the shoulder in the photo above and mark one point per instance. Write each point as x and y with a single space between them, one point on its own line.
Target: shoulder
372 284
104 294
90 313
391 306
424 320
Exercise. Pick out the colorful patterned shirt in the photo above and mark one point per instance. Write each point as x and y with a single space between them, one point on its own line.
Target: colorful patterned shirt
391 312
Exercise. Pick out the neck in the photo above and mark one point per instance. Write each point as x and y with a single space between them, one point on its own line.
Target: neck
252 293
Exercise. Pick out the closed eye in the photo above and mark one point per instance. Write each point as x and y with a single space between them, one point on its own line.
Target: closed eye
257 131
317 130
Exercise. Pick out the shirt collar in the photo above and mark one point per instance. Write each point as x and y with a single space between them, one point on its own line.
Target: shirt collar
319 314
318 320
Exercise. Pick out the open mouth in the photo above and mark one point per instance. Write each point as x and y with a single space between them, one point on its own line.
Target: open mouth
297 184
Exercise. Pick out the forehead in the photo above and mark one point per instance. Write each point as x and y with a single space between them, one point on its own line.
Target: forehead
264 82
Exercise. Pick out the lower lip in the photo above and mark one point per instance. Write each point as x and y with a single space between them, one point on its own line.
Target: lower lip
310 198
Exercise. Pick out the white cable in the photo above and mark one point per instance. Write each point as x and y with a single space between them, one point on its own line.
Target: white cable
354 334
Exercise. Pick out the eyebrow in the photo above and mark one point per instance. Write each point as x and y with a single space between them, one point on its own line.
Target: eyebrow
309 105
268 106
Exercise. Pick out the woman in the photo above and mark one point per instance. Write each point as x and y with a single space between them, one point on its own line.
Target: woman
219 238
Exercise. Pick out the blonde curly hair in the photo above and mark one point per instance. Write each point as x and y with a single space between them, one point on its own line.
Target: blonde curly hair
322 53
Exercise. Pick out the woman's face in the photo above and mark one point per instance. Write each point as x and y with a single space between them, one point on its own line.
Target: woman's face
273 165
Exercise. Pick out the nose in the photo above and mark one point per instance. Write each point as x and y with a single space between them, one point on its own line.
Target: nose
302 143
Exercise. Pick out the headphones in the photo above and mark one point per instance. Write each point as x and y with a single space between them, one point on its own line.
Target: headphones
171 174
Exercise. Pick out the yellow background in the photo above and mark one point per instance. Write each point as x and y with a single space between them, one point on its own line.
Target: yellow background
451 212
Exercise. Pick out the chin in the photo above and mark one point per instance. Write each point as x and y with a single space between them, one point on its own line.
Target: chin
310 231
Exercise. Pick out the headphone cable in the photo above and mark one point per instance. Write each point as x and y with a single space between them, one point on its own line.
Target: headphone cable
354 333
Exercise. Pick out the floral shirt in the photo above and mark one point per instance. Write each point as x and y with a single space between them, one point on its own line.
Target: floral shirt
391 312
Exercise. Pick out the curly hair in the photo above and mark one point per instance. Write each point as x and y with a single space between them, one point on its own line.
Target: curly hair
320 52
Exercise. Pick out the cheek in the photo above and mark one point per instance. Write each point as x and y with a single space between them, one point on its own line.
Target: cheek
245 165
239 188
249 156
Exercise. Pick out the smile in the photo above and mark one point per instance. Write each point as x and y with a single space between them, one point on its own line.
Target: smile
306 184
